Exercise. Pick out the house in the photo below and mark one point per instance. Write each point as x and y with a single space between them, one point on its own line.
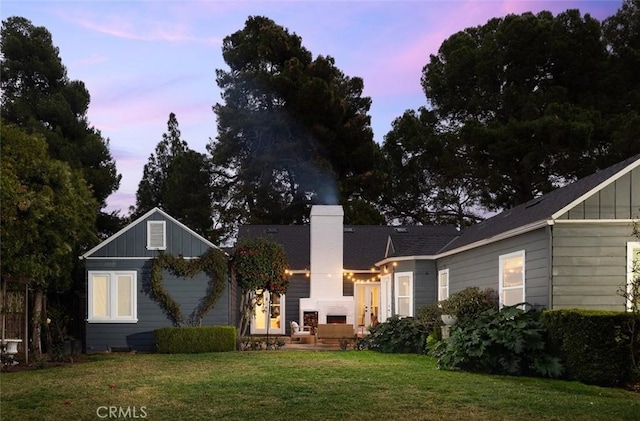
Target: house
121 313
570 248
334 278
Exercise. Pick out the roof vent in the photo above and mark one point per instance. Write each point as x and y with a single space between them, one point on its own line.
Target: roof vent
272 230
401 229
349 230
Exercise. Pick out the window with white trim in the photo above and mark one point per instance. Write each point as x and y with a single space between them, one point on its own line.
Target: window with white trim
112 297
443 284
156 235
512 278
633 272
404 293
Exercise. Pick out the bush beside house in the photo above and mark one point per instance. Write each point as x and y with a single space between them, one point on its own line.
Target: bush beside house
595 345
193 340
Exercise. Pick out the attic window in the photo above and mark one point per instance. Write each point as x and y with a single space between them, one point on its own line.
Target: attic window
272 230
156 235
402 230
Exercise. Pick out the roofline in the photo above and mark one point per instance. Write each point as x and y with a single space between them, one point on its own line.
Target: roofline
152 211
503 236
600 186
405 258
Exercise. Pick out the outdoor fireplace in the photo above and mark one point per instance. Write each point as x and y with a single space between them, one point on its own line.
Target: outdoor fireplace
336 319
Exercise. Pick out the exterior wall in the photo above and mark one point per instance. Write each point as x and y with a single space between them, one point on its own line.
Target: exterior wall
479 267
425 280
133 242
618 200
299 287
590 264
101 337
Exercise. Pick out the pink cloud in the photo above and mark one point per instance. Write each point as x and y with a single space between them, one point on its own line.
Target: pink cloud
135 28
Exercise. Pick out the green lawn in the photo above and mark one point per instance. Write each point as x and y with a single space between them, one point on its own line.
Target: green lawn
296 385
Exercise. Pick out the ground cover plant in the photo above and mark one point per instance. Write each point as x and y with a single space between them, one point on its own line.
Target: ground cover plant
294 384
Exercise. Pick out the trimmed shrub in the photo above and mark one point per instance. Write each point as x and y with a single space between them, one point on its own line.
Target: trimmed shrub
466 304
194 340
594 345
511 341
404 335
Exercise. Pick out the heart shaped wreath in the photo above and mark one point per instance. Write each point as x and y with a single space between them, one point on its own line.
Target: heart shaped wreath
213 263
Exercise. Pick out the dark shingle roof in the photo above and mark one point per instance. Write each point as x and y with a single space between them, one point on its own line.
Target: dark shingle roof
364 245
419 245
538 209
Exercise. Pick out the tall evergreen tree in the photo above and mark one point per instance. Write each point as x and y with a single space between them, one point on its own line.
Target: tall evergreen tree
293 130
518 107
39 97
177 180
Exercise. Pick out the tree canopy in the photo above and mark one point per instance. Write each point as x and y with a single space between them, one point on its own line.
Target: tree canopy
176 179
517 107
292 131
47 210
259 266
39 98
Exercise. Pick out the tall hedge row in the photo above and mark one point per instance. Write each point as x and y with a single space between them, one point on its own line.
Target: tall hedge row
193 340
595 346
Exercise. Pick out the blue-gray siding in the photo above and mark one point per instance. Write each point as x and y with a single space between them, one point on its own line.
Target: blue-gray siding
425 282
479 267
139 336
133 242
299 287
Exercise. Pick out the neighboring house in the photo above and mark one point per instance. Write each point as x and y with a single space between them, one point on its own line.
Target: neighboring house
120 313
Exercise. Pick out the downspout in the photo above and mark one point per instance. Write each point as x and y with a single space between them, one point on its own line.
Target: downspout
550 265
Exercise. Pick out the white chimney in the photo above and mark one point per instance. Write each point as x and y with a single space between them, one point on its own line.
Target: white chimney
325 293
326 252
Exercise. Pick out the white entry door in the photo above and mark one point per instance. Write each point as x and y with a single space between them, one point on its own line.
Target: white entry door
367 304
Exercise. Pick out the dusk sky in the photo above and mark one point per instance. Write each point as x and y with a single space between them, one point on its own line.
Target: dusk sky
142 60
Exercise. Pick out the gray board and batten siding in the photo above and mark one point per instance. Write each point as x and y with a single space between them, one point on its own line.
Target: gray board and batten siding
590 246
127 251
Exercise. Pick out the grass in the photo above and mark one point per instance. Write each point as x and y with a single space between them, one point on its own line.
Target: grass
294 385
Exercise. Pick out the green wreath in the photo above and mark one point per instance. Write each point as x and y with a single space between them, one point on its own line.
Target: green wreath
213 262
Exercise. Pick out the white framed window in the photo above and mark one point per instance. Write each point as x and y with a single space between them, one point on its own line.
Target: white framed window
633 271
403 287
443 284
512 278
269 311
156 235
112 297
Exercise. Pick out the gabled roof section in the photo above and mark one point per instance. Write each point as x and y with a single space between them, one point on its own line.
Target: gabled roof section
544 208
131 226
363 245
419 245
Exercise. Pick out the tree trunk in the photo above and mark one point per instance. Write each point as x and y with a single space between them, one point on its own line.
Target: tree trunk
36 322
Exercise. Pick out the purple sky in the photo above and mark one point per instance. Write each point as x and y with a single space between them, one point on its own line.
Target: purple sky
141 60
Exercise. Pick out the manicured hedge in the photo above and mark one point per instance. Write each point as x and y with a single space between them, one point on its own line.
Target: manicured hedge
595 346
193 340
